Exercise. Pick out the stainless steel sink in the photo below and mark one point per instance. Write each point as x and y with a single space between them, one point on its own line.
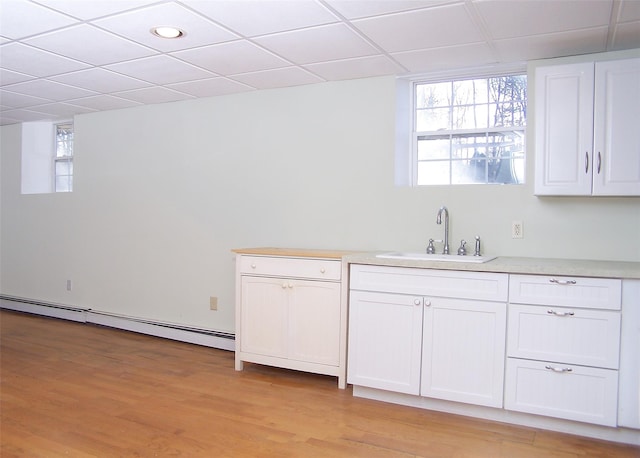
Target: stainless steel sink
434 257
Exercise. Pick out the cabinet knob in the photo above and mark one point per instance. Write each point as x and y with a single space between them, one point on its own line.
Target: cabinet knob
322 270
417 301
290 285
284 286
253 266
427 303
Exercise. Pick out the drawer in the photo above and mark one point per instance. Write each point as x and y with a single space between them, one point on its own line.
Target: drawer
317 269
563 391
428 282
564 335
599 293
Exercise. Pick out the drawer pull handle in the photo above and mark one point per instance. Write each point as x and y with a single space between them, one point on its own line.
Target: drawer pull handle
253 266
558 369
323 270
562 282
553 312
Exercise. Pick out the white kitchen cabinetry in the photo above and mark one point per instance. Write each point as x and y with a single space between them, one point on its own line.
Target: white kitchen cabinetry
563 347
289 313
586 139
437 333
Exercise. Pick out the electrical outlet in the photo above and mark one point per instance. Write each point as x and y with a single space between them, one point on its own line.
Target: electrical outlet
69 285
517 231
213 303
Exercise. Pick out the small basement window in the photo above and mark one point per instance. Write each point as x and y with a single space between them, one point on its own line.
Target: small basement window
469 130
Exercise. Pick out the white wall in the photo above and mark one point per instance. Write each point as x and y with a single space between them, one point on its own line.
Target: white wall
163 193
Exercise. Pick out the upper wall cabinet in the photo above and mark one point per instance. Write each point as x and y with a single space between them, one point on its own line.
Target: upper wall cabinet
587 136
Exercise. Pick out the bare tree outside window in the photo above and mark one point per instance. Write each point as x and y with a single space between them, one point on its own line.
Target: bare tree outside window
471 131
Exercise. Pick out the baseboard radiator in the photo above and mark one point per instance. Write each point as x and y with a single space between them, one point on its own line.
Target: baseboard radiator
198 336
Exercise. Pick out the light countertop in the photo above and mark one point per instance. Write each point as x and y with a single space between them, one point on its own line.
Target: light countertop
516 265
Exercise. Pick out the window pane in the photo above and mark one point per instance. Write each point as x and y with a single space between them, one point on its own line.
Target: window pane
470 92
470 117
433 172
468 172
64 183
64 140
436 148
433 95
433 119
63 168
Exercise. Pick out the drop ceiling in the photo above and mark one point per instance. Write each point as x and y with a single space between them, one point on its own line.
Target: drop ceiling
59 58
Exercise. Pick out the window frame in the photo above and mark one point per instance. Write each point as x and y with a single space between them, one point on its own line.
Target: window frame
411 166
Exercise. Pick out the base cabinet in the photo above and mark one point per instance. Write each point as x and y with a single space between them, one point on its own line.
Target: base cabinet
563 347
426 343
290 314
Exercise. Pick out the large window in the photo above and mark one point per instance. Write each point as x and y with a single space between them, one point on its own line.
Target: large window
470 131
63 160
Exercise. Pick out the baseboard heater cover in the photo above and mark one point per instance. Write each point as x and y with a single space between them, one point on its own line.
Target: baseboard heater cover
198 336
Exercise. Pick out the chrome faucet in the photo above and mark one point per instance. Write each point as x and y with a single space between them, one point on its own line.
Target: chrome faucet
446 227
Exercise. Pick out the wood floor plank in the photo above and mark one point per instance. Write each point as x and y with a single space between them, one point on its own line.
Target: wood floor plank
80 390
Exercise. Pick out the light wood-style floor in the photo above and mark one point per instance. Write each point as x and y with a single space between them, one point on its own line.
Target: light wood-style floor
78 390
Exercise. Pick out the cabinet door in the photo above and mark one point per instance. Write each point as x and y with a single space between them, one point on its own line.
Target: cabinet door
314 322
385 336
563 391
263 323
564 129
464 350
616 139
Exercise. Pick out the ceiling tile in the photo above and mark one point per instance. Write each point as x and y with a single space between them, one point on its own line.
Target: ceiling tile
210 87
353 9
260 17
15 100
22 115
20 19
626 36
428 28
62 110
100 80
280 77
9 77
154 94
86 10
629 11
49 90
359 67
526 17
104 102
136 25
547 46
231 58
318 44
428 60
105 47
160 69
32 61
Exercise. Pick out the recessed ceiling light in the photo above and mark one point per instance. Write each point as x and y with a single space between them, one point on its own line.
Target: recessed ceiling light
167 32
